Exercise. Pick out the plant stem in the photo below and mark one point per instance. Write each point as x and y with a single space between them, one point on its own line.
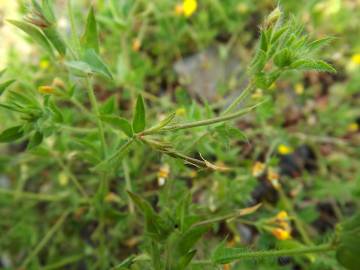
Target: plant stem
275 253
250 87
96 111
74 35
72 177
117 153
128 185
34 196
207 122
45 239
64 262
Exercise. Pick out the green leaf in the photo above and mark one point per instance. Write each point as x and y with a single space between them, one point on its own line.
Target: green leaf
56 40
5 85
167 120
185 260
318 44
162 123
263 41
109 106
47 8
283 58
278 34
89 40
151 218
56 112
119 123
259 61
308 64
223 255
139 121
96 64
11 134
35 33
79 68
189 239
261 80
125 264
348 250
35 140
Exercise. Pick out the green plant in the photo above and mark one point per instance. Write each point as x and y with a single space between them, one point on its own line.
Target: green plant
107 138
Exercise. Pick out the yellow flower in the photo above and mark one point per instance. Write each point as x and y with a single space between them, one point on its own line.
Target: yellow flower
282 215
284 149
299 88
258 168
281 234
353 127
163 173
136 45
189 7
273 178
179 9
226 266
44 64
46 89
356 59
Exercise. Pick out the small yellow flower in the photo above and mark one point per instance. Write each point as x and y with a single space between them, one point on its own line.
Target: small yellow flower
353 127
272 174
163 174
226 266
44 64
273 178
179 9
46 89
258 168
63 179
281 234
282 215
189 7
299 89
181 111
136 45
284 149
356 59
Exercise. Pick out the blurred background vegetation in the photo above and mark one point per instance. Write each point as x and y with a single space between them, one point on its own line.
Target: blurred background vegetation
307 137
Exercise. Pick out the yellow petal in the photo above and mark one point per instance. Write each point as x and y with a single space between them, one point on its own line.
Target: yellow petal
284 149
189 7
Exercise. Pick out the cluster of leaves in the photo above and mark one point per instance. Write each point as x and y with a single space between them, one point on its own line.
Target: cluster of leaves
285 47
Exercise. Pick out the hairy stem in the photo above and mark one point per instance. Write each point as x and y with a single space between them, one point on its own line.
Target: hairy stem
276 253
45 239
96 111
206 122
250 87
